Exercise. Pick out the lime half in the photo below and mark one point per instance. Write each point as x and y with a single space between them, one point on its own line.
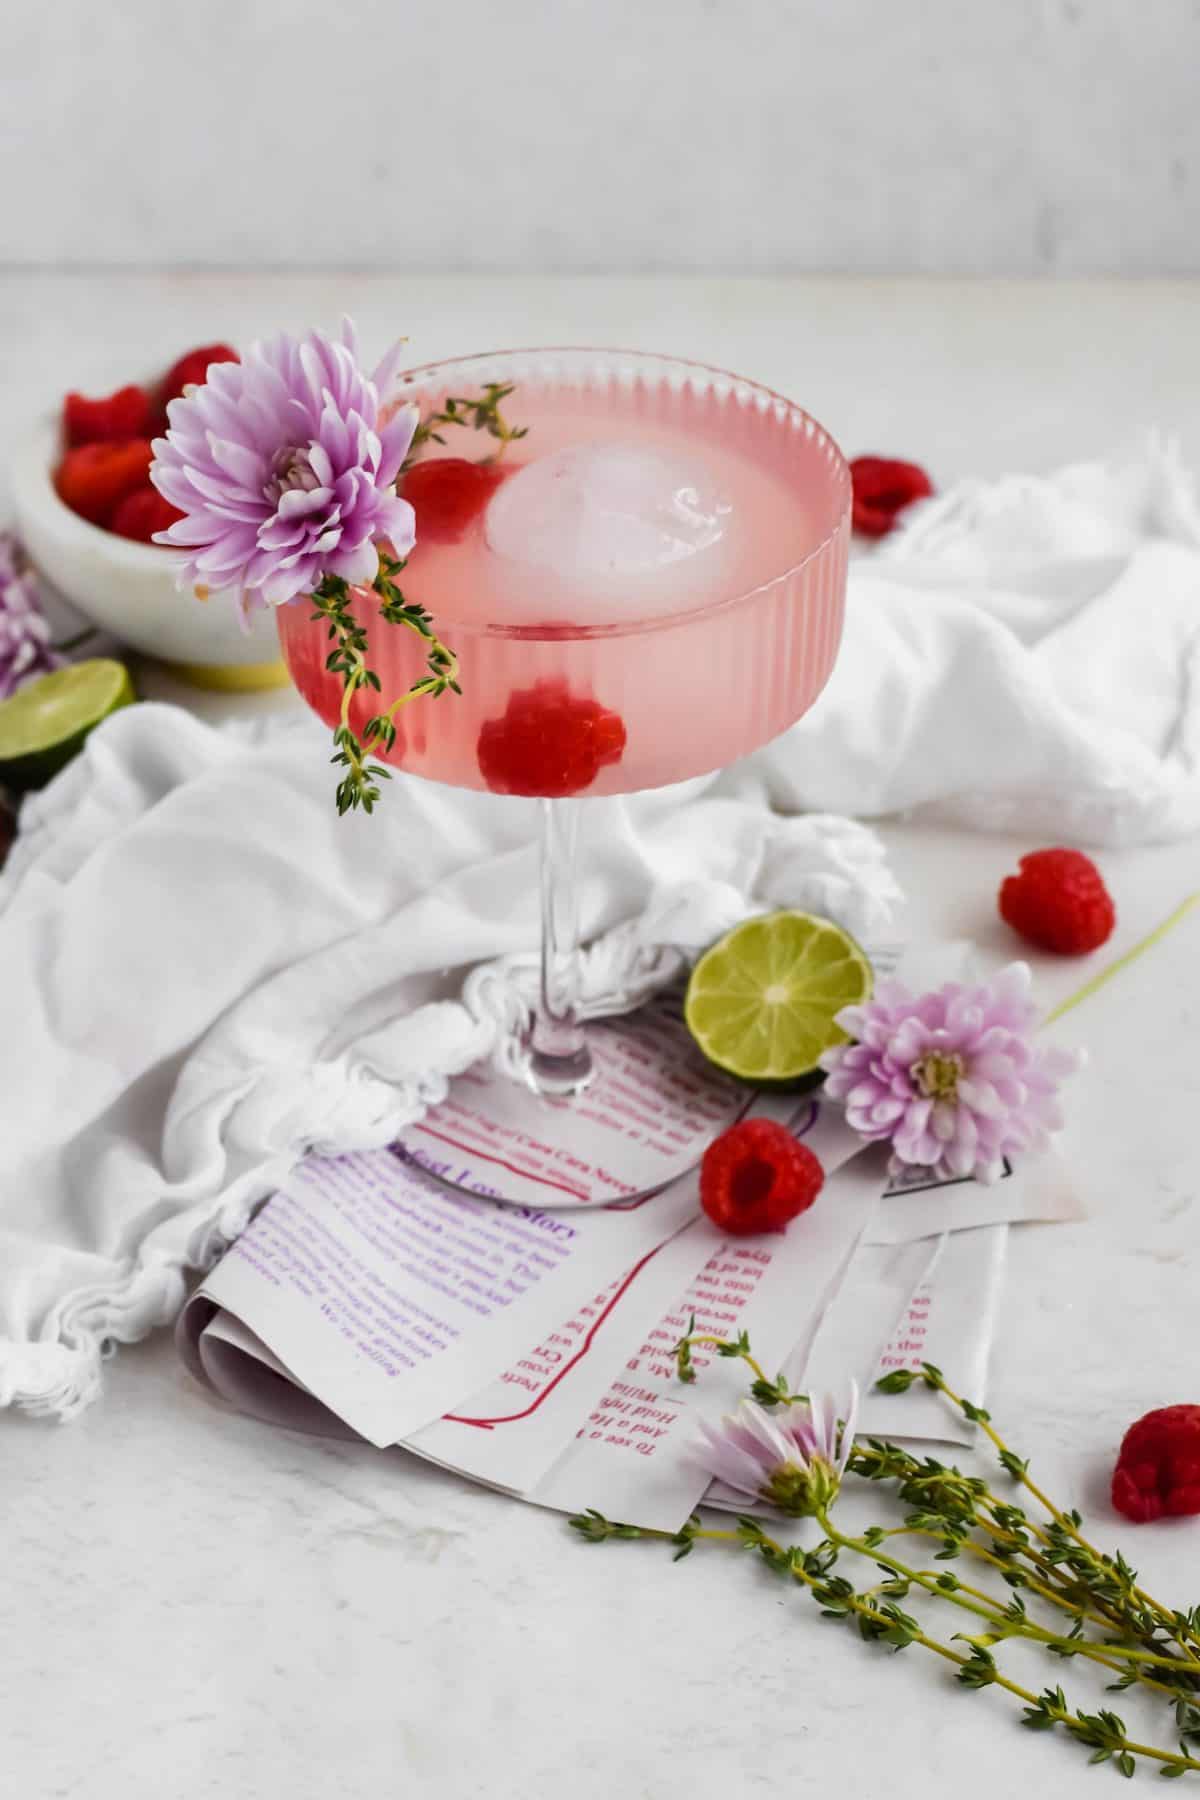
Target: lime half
761 1002
45 722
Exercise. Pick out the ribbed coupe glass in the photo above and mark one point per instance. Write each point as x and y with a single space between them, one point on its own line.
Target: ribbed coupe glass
654 588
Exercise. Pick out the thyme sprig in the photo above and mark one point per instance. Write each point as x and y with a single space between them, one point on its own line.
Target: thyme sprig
763 1389
352 751
480 412
348 659
1090 1605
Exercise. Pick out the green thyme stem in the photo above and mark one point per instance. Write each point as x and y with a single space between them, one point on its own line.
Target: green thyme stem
1059 1590
348 658
1064 1597
431 683
1049 1709
1071 1593
1077 1725
1058 1598
481 414
916 1477
881 1619
1053 1597
725 1347
918 1637
1105 975
936 1379
1063 1583
353 682
1186 1639
1068 1573
988 1608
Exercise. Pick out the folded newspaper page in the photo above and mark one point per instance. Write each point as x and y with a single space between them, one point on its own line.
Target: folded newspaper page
529 1347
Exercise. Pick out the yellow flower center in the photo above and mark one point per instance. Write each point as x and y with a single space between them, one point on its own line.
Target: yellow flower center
937 1075
802 1490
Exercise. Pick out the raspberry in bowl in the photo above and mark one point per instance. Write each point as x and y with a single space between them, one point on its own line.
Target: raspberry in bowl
87 512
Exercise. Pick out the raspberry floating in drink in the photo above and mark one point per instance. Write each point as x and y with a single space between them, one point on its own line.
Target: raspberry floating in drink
549 743
448 494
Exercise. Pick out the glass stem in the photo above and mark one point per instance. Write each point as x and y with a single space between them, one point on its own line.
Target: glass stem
559 1062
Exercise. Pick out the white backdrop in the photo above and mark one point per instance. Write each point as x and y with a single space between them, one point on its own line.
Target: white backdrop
1018 136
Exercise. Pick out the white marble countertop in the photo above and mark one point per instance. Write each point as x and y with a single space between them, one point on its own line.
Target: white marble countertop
197 1605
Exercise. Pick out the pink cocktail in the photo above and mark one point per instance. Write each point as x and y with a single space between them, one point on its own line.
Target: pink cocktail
651 587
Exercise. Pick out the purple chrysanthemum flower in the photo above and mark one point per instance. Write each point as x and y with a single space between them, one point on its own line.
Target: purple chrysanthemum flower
284 467
951 1079
25 647
793 1460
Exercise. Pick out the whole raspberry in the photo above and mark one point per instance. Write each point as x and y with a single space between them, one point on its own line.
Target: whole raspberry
129 413
447 493
140 514
1059 902
549 742
882 487
1158 1469
756 1176
94 479
192 370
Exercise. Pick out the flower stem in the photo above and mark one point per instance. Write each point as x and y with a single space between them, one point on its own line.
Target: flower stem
1105 975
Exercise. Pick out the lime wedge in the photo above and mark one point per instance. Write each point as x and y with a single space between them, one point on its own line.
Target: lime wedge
45 722
761 1002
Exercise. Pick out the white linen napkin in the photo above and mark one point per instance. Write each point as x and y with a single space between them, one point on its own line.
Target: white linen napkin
204 971
1023 656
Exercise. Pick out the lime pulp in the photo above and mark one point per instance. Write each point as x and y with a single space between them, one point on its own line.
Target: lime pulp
45 723
762 1002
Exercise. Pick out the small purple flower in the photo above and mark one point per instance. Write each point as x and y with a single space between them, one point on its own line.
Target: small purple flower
25 648
950 1079
284 466
793 1460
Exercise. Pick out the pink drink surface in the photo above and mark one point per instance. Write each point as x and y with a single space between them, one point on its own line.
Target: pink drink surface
653 589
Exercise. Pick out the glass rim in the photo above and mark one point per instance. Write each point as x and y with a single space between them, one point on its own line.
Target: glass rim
668 621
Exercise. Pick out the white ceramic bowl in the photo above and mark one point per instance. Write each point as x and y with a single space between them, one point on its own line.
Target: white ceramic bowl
129 588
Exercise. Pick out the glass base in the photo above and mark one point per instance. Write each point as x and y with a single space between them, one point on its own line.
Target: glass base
642 1110
559 1075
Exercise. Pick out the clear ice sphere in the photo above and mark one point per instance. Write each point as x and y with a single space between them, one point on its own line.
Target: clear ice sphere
595 512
